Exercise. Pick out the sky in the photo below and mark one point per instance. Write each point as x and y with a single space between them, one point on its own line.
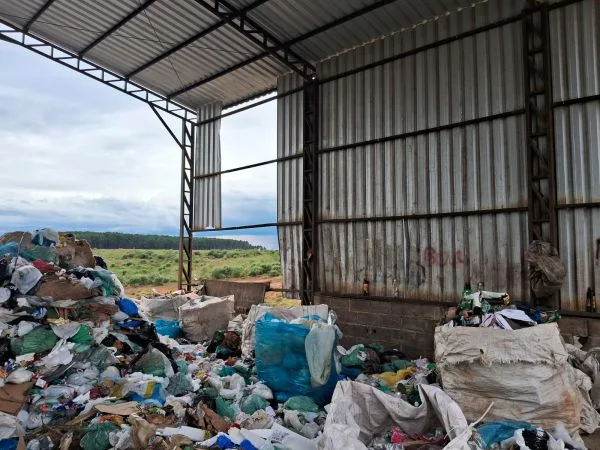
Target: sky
79 155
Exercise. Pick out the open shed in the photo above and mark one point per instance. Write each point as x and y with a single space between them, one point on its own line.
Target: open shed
421 143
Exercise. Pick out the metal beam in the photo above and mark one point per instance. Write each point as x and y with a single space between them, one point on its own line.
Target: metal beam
186 143
310 190
71 60
260 36
542 213
116 26
288 44
186 235
37 15
193 38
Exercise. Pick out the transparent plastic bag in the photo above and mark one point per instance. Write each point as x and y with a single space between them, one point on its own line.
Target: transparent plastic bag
253 403
97 436
281 360
83 336
155 363
301 403
179 385
38 340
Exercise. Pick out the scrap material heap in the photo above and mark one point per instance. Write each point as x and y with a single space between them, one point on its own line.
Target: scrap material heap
83 366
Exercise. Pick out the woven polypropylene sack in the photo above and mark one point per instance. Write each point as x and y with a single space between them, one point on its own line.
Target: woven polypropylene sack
525 373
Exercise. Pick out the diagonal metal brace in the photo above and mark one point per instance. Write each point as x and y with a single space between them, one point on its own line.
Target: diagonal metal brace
261 37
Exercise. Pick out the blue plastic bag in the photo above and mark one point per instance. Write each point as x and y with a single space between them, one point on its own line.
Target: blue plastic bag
168 328
9 444
127 306
496 432
281 361
156 399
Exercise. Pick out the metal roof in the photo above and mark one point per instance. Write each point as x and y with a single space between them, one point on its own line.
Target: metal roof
197 52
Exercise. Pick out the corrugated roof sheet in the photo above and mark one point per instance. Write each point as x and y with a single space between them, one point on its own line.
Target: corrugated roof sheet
166 23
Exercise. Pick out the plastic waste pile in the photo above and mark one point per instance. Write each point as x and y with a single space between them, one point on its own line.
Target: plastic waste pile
496 310
512 434
83 366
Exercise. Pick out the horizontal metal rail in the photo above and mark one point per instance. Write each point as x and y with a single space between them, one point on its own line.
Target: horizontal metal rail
416 216
375 141
578 205
576 101
408 134
420 49
581 314
249 166
388 299
421 216
247 227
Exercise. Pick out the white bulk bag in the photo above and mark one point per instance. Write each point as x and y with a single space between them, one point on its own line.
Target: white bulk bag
525 373
358 412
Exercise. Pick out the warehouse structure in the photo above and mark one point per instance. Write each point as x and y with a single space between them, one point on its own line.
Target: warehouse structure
421 143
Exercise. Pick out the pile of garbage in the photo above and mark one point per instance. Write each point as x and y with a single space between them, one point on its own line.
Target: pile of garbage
83 366
495 310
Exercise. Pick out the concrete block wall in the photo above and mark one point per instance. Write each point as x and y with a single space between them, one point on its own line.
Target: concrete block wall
402 325
586 328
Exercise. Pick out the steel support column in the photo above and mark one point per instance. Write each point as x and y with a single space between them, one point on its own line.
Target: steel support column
186 143
186 236
542 217
310 189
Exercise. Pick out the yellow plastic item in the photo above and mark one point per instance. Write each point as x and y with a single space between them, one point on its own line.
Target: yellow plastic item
392 379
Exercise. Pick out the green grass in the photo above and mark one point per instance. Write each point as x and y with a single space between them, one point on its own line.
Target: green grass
156 267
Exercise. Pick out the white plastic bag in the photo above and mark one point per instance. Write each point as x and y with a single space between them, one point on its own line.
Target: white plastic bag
525 373
65 330
19 376
4 294
59 355
25 327
359 411
121 439
319 351
8 426
25 278
258 311
200 318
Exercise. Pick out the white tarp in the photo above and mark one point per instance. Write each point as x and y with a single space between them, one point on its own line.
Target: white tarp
200 318
258 311
525 373
358 412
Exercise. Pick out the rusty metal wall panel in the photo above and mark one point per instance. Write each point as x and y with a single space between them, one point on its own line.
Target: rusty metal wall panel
580 250
477 167
575 61
425 259
575 40
289 180
207 191
577 129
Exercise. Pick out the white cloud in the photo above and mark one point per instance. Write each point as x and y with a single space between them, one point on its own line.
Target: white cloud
79 155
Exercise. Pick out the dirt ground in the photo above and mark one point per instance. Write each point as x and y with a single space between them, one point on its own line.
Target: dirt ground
270 296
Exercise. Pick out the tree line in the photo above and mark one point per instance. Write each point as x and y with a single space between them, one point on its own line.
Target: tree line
154 241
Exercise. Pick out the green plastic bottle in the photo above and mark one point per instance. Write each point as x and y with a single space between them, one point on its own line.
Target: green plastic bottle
465 303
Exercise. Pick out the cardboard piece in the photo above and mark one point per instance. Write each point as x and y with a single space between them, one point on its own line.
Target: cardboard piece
13 396
120 409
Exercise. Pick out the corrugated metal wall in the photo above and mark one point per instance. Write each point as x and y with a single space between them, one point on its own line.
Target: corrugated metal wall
575 63
462 169
458 196
207 159
289 180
